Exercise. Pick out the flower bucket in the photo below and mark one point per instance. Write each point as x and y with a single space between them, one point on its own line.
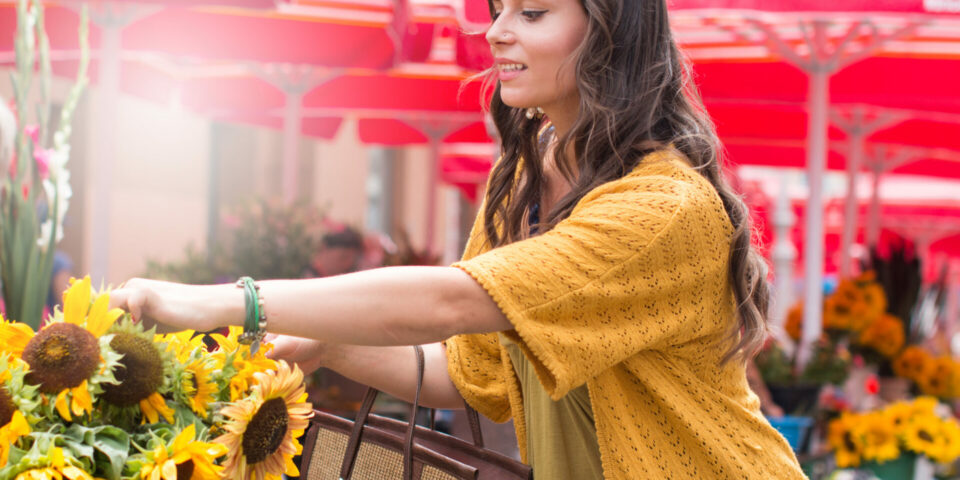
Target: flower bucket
908 466
794 429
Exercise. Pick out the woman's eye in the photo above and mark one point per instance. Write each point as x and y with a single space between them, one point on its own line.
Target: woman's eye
495 16
533 14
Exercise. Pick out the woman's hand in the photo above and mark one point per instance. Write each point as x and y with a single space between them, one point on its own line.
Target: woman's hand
176 306
305 352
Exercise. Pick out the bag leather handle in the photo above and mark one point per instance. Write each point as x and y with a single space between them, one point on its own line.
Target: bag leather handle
353 443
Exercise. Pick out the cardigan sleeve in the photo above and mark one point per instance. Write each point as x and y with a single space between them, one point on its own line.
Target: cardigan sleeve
605 283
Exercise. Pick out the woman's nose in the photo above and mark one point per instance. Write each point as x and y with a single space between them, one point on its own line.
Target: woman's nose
498 33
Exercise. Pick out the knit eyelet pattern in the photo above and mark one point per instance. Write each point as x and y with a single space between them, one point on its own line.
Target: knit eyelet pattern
629 295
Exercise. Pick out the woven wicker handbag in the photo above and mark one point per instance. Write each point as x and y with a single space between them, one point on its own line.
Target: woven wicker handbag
380 448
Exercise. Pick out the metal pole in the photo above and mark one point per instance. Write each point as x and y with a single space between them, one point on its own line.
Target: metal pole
873 224
784 254
851 213
292 122
432 191
813 256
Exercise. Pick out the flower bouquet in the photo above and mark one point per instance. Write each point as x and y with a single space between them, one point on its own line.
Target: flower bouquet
877 440
94 395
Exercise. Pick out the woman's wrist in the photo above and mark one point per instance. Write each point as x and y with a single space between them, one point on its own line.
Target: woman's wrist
227 306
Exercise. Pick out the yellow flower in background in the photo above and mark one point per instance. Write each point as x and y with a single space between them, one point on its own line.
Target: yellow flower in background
885 335
197 386
937 379
899 413
58 469
880 442
874 298
921 435
912 363
794 323
262 430
843 438
185 458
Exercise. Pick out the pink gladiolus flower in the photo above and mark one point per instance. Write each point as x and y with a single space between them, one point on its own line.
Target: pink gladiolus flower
33 131
26 192
42 156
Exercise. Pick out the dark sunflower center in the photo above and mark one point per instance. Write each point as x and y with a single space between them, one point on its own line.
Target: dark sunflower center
925 436
141 372
266 430
7 407
62 355
193 383
185 470
848 442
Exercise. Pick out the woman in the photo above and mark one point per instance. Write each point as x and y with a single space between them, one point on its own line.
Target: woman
608 298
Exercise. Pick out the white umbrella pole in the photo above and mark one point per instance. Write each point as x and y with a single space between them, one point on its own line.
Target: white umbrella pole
851 213
784 254
813 256
292 124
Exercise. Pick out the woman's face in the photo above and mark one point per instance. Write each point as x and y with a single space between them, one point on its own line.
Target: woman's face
533 42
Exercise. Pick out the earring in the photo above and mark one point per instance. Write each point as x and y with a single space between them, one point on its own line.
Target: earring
534 112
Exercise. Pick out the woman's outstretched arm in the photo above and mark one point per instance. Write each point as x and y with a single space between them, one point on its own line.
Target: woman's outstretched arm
389 369
380 307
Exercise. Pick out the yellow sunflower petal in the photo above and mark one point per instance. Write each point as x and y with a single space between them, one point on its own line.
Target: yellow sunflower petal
99 320
76 301
62 405
81 402
169 470
291 469
14 337
184 438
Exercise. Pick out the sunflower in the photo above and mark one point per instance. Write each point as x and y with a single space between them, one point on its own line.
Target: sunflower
899 413
885 335
937 379
56 467
238 365
922 435
912 363
847 444
143 372
261 430
186 458
880 442
197 385
67 357
181 344
874 298
794 323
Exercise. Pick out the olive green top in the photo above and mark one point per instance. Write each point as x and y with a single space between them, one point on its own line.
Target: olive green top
561 435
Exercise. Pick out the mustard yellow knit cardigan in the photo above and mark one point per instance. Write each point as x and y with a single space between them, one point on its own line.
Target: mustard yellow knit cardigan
630 295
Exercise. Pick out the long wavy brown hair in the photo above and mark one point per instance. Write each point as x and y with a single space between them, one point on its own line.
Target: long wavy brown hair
636 96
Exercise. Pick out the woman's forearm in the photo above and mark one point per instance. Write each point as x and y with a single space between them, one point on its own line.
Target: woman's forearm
394 370
381 307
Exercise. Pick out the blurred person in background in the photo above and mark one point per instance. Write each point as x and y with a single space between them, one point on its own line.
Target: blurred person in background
340 252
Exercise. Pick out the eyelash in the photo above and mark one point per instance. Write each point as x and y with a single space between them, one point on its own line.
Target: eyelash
530 15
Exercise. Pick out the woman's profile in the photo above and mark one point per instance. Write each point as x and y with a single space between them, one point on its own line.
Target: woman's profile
608 297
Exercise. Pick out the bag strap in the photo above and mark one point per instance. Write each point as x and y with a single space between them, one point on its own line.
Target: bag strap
353 443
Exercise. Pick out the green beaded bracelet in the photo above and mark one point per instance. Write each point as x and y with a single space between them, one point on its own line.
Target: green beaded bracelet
255 323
